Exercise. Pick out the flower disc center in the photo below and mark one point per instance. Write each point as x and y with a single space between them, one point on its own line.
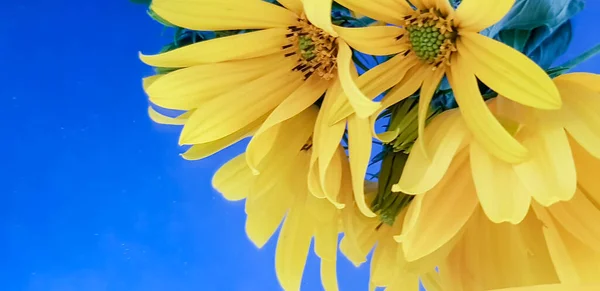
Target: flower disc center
427 41
317 50
431 36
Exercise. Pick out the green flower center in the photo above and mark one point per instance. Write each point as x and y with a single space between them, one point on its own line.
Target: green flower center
427 41
316 50
431 36
307 48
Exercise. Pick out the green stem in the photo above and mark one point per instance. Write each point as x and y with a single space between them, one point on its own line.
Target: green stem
556 71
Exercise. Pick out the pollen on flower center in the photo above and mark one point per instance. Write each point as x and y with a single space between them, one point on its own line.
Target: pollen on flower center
316 50
431 36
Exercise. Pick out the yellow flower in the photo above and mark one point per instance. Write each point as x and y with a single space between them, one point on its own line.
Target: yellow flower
249 82
433 41
280 192
452 154
557 243
461 186
482 256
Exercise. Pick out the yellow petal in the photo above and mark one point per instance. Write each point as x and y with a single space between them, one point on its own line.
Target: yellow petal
574 261
383 265
430 85
475 15
326 138
359 147
146 82
292 248
329 275
223 15
501 194
374 40
481 122
579 114
264 215
326 239
587 166
357 243
555 287
390 11
293 5
236 47
277 157
203 150
298 101
267 206
579 216
407 87
301 99
315 186
224 115
549 174
440 217
588 80
363 106
189 88
331 181
444 138
405 282
506 255
413 80
233 179
419 4
167 120
431 281
374 82
507 71
318 13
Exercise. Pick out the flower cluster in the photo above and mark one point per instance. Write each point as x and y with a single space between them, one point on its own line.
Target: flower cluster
486 177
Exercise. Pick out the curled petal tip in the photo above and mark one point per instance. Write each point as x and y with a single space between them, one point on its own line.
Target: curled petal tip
400 238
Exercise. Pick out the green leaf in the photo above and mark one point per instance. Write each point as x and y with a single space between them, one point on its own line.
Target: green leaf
540 29
517 38
552 47
530 14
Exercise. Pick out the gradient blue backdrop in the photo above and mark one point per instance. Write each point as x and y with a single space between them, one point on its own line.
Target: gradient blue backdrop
95 196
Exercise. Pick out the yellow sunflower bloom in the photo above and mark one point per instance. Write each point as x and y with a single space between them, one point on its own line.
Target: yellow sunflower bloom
504 189
450 216
433 40
483 255
280 192
249 82
461 181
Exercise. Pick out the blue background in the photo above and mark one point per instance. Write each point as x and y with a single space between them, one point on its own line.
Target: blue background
97 197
